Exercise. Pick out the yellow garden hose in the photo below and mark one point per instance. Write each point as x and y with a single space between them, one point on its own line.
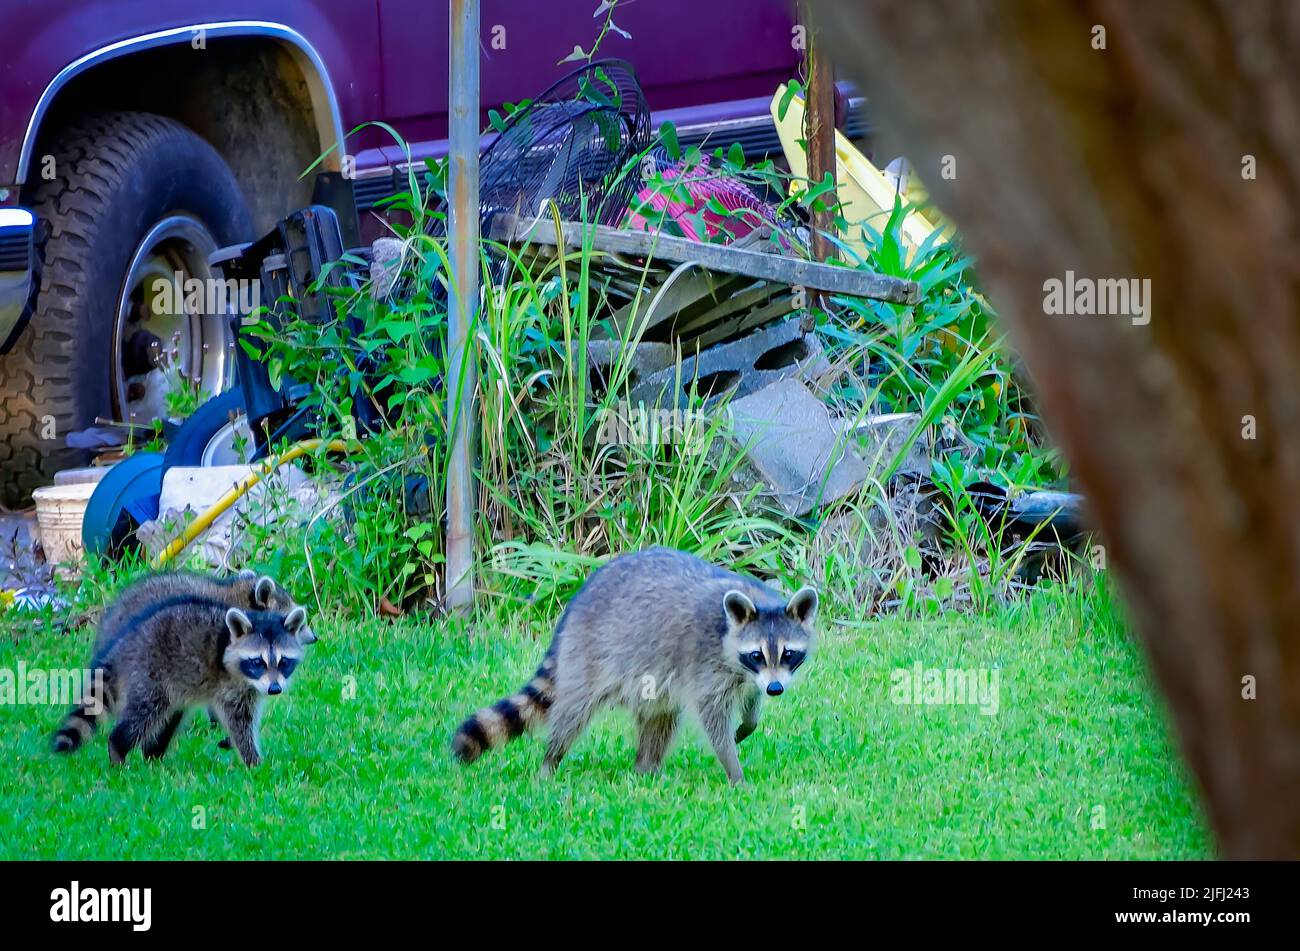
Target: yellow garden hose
204 521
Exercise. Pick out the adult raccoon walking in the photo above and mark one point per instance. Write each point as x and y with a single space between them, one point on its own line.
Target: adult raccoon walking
659 632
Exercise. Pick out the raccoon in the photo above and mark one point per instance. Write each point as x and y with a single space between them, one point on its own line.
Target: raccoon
243 590
657 631
179 653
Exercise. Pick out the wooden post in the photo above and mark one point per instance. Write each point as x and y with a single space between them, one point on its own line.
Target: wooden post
819 132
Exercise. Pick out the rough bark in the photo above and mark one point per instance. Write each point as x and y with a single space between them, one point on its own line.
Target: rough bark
1128 162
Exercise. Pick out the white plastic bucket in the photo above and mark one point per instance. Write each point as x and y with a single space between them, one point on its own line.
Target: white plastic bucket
59 513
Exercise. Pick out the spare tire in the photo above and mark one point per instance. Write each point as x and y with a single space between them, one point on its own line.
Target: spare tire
212 434
135 197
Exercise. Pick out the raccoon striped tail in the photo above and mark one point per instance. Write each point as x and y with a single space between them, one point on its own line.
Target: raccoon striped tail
506 719
79 725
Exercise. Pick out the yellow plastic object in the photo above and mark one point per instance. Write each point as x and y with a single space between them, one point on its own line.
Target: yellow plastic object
866 194
205 520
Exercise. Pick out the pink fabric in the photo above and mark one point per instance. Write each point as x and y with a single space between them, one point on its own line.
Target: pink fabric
702 186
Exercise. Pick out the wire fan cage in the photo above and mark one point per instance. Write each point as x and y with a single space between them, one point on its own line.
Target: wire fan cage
576 144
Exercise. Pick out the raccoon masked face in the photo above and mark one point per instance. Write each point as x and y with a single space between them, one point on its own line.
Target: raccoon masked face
264 647
269 596
769 644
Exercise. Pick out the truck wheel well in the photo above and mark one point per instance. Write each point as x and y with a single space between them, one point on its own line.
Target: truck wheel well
247 96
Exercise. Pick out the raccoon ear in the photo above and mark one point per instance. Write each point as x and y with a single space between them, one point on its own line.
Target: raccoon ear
738 607
295 619
263 590
803 605
246 574
238 623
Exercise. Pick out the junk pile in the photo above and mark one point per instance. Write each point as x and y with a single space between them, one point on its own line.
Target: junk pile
736 318
708 302
708 299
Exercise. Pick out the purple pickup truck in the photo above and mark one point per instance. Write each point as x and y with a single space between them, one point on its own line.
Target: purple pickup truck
137 136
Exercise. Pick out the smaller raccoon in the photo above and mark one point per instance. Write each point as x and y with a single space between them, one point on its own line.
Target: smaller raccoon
245 589
659 632
185 652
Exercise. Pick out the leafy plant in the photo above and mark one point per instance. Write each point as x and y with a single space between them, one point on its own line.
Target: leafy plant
943 358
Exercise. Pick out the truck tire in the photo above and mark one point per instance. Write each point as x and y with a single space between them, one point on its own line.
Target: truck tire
133 193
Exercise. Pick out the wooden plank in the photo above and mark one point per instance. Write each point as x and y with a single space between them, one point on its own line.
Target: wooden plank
746 298
715 257
662 302
773 310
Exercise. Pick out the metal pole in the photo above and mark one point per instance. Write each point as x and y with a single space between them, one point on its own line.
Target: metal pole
462 183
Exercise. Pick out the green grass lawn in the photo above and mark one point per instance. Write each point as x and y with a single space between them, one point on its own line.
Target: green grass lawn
1076 763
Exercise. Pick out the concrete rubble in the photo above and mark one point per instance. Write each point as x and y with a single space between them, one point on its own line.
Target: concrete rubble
803 456
741 367
644 359
881 438
797 450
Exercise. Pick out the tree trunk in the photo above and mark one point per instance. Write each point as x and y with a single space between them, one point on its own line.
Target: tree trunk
1170 155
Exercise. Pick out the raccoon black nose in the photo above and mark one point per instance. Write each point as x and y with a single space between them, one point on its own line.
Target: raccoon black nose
276 688
774 689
